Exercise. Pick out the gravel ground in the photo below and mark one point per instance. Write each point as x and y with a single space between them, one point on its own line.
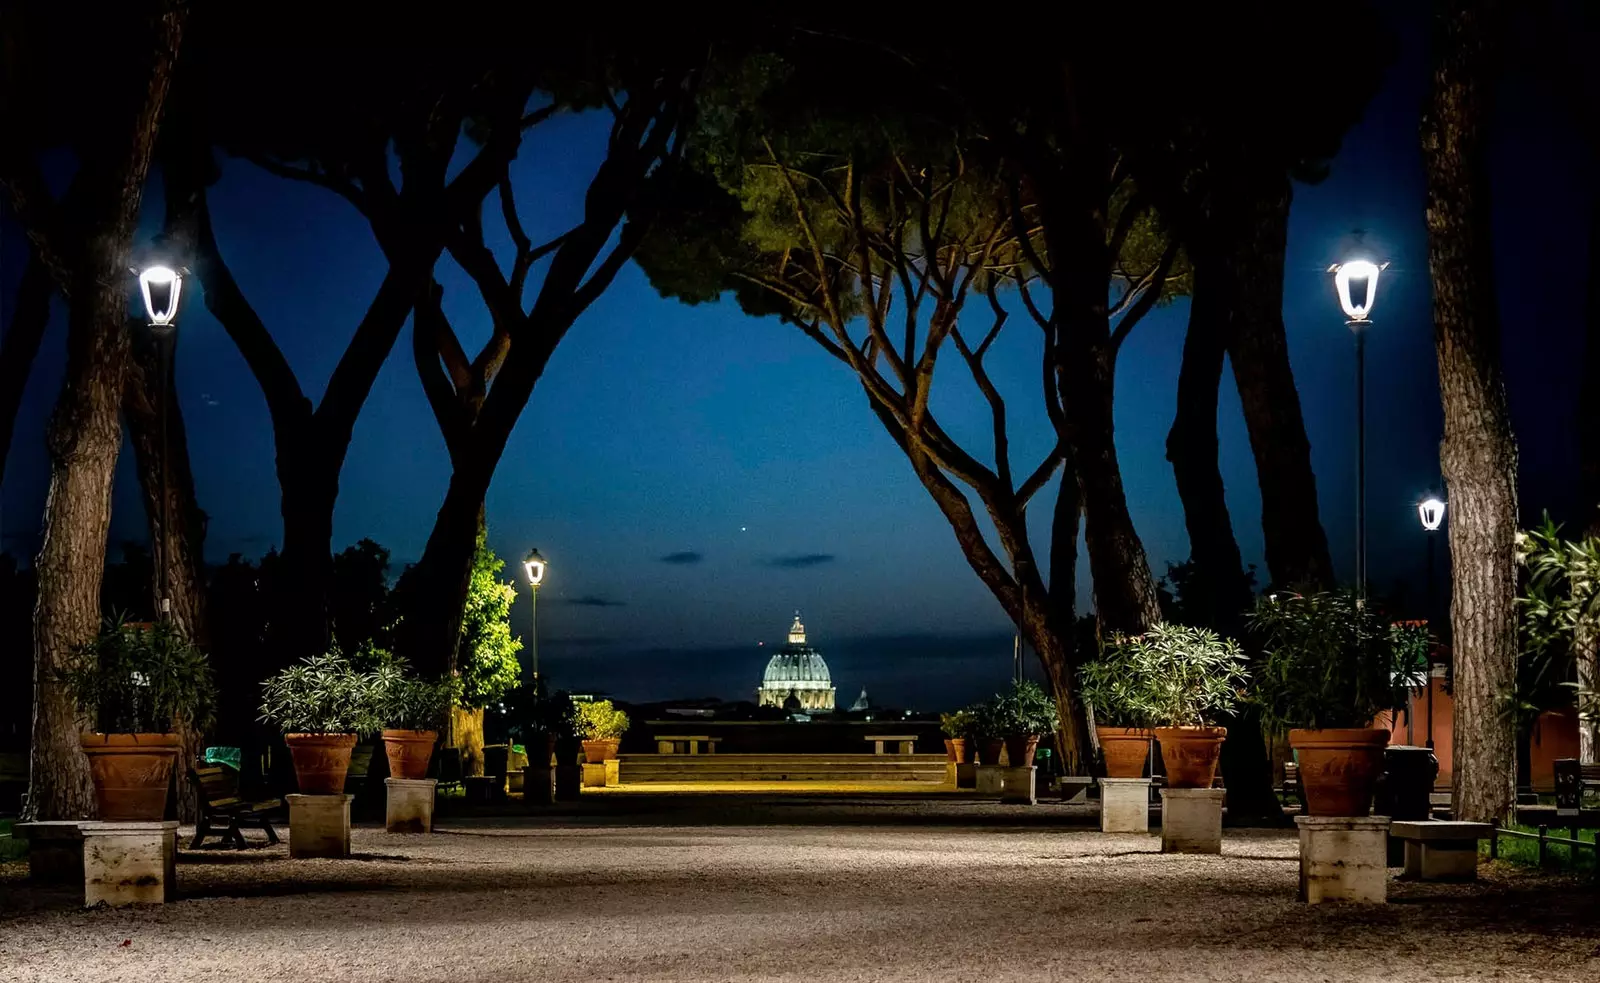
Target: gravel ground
722 889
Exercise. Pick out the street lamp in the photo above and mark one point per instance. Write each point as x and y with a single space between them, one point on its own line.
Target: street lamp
1431 512
160 286
534 565
1357 285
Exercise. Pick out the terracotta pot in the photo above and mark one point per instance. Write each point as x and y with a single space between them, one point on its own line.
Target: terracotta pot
131 773
1190 754
1020 749
1126 749
1339 769
989 750
961 750
949 750
409 752
603 749
320 761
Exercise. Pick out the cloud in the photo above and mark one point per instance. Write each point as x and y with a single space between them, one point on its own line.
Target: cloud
800 561
683 557
593 601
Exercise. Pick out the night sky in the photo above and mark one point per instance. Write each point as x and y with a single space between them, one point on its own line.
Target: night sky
694 475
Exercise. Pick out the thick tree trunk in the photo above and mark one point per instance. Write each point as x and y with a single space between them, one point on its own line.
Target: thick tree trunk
160 444
436 588
1248 232
85 435
309 490
20 346
1479 453
1192 447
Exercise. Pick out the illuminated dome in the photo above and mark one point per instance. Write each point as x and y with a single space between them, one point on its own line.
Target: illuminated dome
797 671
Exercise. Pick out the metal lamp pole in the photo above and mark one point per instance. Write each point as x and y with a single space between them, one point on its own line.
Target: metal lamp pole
160 286
1357 311
1431 512
534 565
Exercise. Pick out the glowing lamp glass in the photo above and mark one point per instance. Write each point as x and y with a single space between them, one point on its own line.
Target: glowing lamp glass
1357 271
1431 512
534 565
160 286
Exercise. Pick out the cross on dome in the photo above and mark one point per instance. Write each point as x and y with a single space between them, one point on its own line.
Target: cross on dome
797 631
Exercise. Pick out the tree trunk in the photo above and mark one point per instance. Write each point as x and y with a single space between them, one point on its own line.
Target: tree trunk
20 346
1192 447
85 435
177 526
1479 454
1248 232
301 604
436 588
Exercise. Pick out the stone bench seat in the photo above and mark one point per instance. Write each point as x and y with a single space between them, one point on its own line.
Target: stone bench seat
1441 850
906 743
689 743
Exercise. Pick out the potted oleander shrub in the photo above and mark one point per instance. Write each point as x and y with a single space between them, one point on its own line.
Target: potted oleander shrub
601 727
988 731
957 728
139 686
1330 665
1178 679
411 710
1023 714
322 704
1124 723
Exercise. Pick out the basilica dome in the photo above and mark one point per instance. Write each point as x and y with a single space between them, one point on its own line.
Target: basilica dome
797 671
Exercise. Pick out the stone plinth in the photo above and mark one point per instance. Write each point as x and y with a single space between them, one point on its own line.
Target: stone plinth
1124 805
55 850
1075 789
988 780
1191 820
538 785
1440 851
319 825
966 775
410 807
1017 785
601 775
129 863
1344 858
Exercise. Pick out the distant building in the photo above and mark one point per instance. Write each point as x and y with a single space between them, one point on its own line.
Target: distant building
861 703
798 674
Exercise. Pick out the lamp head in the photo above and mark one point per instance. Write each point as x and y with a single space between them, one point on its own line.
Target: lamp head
160 286
534 564
1431 512
1360 272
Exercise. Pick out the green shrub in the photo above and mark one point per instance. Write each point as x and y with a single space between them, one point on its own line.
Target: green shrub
1024 709
1170 676
410 702
1329 660
139 679
958 725
323 694
599 721
987 721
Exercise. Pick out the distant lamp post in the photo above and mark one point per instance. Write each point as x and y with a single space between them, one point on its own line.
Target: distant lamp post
1431 512
1356 283
534 565
160 286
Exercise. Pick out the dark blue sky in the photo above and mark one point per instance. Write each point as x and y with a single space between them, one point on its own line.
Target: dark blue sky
694 475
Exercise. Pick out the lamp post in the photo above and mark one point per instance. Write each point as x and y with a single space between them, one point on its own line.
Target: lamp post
1431 512
160 286
1357 306
534 565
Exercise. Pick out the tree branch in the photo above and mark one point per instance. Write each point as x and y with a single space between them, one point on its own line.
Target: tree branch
1147 299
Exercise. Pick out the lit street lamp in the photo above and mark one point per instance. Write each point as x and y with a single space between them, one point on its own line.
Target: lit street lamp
160 287
1357 285
534 565
1431 512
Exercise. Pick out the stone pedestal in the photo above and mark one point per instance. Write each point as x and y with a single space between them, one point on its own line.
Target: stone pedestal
129 863
1440 850
1124 805
606 773
319 825
55 850
410 808
988 780
1344 858
1191 820
1075 789
538 785
966 775
1017 785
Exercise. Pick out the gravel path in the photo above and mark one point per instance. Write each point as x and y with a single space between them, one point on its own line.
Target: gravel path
723 890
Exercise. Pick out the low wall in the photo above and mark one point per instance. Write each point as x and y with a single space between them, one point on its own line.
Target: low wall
819 736
636 769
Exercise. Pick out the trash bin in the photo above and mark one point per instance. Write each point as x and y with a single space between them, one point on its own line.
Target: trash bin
1405 789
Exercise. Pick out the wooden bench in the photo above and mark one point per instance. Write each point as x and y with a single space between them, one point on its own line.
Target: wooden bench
907 742
685 744
1439 849
216 789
